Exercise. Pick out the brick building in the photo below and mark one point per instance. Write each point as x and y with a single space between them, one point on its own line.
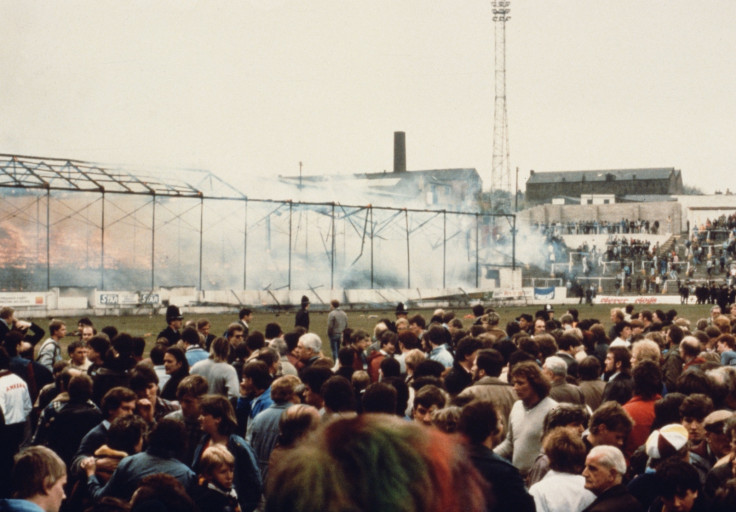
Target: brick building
543 187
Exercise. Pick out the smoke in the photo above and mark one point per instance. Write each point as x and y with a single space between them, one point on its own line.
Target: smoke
273 240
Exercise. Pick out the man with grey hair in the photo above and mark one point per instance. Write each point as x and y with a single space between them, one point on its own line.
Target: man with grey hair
555 370
690 352
605 467
309 348
282 349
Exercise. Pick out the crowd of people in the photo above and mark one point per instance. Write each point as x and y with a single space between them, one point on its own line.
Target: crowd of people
602 227
699 265
438 414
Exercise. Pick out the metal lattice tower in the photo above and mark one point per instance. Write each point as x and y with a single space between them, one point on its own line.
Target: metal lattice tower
501 191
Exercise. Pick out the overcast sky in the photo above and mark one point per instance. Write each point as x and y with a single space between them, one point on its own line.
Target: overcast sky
248 89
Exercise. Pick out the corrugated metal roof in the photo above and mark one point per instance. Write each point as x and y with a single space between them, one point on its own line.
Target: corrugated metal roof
661 173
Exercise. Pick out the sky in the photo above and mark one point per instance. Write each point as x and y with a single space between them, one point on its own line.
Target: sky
249 89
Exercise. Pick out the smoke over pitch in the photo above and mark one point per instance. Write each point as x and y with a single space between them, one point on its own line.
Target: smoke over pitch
320 233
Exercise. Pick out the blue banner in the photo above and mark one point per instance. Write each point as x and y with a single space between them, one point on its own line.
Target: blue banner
544 293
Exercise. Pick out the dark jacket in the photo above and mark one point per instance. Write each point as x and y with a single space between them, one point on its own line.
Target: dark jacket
247 478
170 334
615 499
507 486
302 319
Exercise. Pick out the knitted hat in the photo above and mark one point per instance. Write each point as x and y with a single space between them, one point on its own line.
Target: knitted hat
666 441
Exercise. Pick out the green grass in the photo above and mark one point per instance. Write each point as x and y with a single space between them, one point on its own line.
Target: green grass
149 326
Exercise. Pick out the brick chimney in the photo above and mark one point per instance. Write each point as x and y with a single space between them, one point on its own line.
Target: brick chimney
399 152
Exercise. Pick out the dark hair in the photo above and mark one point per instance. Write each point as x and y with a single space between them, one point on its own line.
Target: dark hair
80 388
379 397
345 356
292 340
428 396
157 354
315 377
255 341
466 346
564 414
258 372
115 397
138 346
390 367
268 356
110 330
190 336
409 340
125 432
490 361
161 491
273 330
428 367
100 344
589 368
621 355
418 320
647 379
389 338
675 477
337 393
568 341
478 420
74 345
529 346
676 334
693 380
192 385
437 335
180 358
696 406
219 407
667 410
613 416
141 376
402 394
244 312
